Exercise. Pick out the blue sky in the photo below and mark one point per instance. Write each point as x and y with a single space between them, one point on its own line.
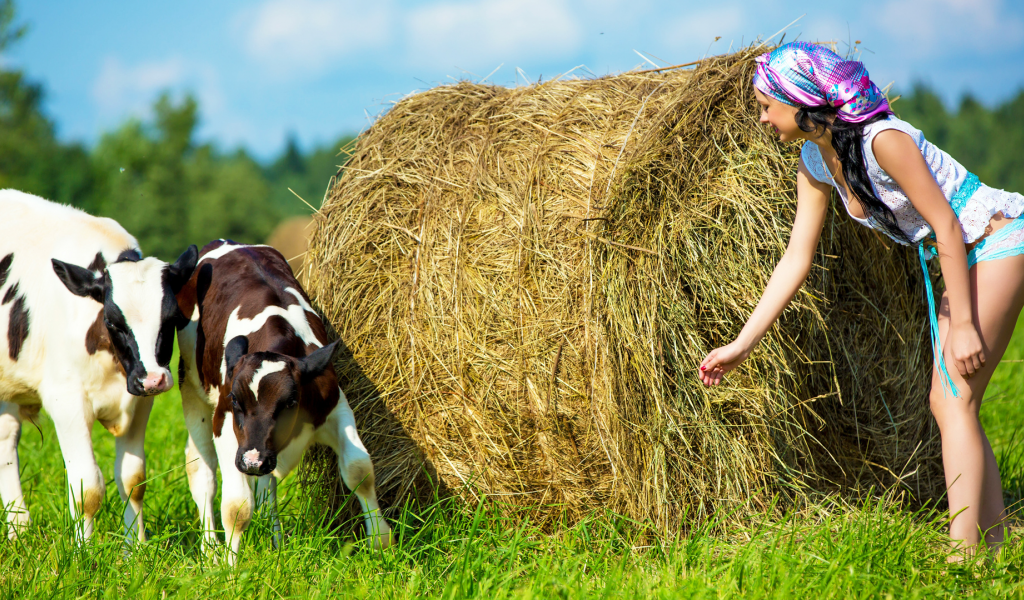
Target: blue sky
320 68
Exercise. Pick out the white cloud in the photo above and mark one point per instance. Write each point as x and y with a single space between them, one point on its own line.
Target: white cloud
927 26
486 32
692 34
307 35
121 89
823 27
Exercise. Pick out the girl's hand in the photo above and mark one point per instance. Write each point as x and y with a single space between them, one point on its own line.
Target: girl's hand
964 347
720 361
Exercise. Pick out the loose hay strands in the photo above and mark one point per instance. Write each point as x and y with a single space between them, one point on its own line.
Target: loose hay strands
528 278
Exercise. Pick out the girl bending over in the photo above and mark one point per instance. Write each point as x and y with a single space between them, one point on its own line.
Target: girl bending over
891 179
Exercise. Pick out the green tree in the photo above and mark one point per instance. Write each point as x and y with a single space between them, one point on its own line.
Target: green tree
307 175
229 199
31 158
986 141
1006 155
8 32
142 177
971 135
170 192
924 109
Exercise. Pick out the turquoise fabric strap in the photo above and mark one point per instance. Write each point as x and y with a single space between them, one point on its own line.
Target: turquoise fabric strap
947 381
957 202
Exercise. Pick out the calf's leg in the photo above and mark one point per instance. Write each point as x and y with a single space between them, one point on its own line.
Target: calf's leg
73 423
339 433
200 460
287 459
130 470
265 493
236 498
10 477
200 454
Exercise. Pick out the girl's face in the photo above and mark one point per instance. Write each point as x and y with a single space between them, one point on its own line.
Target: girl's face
781 116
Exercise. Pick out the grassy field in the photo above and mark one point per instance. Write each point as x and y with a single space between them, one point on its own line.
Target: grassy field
449 551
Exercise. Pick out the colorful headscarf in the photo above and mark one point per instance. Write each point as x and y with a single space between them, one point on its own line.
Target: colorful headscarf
806 74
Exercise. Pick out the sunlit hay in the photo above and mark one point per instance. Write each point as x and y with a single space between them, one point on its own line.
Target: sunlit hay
291 238
528 278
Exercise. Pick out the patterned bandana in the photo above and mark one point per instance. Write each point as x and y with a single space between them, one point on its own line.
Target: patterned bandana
806 74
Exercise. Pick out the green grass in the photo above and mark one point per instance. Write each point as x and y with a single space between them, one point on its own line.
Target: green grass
449 551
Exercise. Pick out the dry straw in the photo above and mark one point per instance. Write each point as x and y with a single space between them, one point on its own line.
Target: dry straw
527 279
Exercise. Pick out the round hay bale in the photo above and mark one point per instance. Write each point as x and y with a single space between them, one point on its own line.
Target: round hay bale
527 279
291 239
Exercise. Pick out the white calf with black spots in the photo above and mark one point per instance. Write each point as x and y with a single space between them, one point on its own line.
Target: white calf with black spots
86 332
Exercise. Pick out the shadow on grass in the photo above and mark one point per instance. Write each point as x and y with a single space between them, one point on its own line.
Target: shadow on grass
406 480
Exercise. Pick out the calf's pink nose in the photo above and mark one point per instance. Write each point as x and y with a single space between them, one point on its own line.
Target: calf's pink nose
156 383
252 458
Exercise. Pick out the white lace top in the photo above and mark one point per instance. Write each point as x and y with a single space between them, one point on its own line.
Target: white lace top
949 174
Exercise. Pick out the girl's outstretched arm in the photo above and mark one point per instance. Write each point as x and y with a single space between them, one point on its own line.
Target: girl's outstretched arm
900 157
788 276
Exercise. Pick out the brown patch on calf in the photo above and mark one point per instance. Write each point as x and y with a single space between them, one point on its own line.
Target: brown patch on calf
29 412
359 474
98 263
97 339
187 297
5 268
192 460
223 407
11 293
117 427
93 500
182 369
323 396
136 486
17 327
236 516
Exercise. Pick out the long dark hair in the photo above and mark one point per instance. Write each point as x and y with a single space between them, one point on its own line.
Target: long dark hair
848 142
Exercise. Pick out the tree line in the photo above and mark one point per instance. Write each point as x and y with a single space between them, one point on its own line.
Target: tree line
170 190
153 176
988 141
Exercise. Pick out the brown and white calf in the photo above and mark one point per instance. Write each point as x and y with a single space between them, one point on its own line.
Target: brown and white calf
86 332
258 387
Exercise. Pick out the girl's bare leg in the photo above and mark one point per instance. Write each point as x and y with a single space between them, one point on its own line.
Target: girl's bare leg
972 477
993 512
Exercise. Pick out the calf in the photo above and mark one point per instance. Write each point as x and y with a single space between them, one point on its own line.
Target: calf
258 387
86 343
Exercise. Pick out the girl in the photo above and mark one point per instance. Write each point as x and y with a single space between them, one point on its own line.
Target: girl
891 179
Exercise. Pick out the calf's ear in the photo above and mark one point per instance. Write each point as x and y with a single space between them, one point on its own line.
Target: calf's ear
234 352
180 272
316 363
79 280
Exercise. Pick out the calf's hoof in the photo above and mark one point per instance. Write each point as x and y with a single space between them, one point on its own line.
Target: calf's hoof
15 530
383 540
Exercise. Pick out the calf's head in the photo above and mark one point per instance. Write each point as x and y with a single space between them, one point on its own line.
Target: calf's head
271 394
140 311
